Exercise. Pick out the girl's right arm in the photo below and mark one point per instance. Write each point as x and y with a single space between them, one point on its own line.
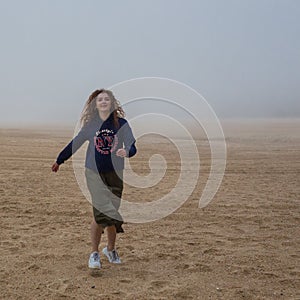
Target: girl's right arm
70 149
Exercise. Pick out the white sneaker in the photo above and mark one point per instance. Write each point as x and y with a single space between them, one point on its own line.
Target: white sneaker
94 261
112 256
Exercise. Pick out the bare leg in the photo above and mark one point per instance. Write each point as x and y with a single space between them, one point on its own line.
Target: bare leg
111 237
96 232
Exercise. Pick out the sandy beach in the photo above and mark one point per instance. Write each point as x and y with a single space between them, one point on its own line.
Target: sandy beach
243 245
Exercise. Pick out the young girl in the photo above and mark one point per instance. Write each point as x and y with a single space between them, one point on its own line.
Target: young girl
110 140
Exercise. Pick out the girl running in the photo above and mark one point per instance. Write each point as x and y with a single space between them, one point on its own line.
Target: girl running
110 141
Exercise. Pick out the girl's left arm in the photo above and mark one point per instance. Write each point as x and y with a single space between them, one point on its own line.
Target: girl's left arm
129 140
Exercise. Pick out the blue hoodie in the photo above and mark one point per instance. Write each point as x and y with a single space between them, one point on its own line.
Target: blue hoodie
104 140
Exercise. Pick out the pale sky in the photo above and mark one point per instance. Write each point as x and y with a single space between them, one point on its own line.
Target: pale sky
243 56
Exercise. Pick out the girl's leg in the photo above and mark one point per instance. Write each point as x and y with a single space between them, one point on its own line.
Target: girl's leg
96 232
110 251
111 237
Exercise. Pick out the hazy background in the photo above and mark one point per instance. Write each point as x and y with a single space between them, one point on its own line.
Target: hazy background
243 56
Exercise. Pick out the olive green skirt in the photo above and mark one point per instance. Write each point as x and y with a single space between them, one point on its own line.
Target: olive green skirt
106 192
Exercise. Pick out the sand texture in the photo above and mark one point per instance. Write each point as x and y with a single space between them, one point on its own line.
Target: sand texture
244 245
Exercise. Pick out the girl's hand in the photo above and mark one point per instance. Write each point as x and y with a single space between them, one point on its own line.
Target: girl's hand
121 152
55 167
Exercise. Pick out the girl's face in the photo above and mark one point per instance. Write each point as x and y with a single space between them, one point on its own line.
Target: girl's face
103 103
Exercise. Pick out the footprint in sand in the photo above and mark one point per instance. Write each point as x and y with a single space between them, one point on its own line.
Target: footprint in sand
125 280
158 284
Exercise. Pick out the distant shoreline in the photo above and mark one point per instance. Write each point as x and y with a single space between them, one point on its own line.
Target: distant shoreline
71 126
232 128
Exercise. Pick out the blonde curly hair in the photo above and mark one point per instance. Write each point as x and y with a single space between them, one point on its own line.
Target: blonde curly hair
90 111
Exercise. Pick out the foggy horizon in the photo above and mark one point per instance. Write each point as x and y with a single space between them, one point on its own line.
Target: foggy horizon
241 56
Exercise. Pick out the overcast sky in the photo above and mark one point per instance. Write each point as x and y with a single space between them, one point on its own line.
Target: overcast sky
243 56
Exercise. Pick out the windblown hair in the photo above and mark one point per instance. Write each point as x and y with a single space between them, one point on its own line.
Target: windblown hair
90 111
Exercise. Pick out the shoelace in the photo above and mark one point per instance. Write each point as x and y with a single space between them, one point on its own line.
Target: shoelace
114 255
